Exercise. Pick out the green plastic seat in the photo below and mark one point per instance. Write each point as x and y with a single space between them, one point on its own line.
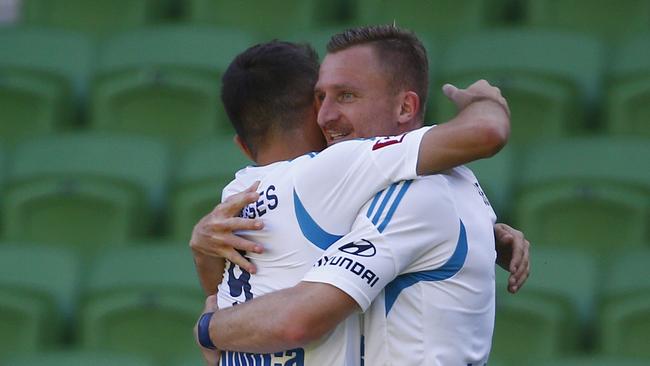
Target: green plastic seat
92 17
550 79
142 300
593 361
496 176
165 82
270 18
590 193
203 172
604 18
625 305
37 296
78 358
628 97
43 74
84 191
436 19
552 313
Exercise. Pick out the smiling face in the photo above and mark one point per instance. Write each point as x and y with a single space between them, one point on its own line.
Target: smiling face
354 96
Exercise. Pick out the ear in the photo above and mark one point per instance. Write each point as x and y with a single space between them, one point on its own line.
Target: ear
410 107
242 146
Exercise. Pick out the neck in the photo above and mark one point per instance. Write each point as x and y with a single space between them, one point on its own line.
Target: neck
287 147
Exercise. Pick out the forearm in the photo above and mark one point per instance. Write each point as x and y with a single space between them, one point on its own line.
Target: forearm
209 270
479 131
282 320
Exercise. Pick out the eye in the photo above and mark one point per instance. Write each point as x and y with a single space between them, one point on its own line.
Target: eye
320 97
346 97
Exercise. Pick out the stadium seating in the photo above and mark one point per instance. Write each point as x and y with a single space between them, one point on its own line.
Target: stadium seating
78 358
496 176
42 74
204 171
142 300
165 82
628 97
84 191
551 315
593 361
599 17
93 17
269 20
590 193
625 305
37 296
548 78
433 18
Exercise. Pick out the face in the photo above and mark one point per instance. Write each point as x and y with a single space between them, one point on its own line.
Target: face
354 97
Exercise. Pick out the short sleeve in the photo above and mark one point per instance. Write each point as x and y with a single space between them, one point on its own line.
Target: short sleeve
344 176
420 234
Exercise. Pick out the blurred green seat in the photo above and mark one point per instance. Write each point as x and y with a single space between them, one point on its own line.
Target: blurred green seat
549 78
204 170
78 358
628 97
37 296
142 300
496 176
590 193
437 19
625 305
43 74
268 19
593 361
165 82
84 191
604 18
92 17
551 314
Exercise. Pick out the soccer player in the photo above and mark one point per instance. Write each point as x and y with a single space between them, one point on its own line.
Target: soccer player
408 112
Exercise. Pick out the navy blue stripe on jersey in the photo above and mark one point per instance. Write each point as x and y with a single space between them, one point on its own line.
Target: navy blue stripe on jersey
389 193
374 203
393 207
446 271
310 228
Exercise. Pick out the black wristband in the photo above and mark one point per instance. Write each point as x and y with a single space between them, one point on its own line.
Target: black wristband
204 331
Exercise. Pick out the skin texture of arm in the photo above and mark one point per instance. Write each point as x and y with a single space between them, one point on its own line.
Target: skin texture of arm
301 314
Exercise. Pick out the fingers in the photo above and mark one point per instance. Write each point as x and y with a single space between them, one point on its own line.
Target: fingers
233 205
238 259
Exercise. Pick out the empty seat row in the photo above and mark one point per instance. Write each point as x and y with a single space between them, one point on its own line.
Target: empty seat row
280 17
141 300
144 300
90 190
575 304
165 81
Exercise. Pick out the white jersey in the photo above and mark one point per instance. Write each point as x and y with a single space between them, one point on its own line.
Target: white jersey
304 203
423 251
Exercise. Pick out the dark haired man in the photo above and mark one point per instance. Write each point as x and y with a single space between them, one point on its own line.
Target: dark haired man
336 301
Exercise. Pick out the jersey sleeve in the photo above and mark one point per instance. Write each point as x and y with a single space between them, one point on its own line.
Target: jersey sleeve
344 176
421 235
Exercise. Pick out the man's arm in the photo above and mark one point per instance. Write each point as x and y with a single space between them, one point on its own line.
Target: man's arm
480 129
281 320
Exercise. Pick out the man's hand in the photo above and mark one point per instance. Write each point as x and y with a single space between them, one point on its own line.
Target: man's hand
480 90
213 235
210 356
512 255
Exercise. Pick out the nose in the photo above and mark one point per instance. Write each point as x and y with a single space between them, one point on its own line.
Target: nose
327 113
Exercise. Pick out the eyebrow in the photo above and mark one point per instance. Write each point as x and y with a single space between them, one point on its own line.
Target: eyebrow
337 87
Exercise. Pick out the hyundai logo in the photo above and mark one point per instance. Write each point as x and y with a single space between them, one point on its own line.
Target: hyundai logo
362 248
